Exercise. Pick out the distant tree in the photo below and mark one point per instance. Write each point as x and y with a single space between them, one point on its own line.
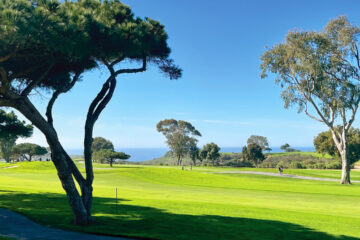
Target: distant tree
11 128
194 152
268 149
284 147
258 140
244 153
253 152
109 156
100 143
319 73
212 152
28 150
202 154
324 144
180 136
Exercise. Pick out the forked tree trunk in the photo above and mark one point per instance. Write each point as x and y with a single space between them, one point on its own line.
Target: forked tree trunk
64 165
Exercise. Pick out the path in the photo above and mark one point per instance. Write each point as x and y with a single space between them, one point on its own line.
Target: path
9 167
286 175
16 226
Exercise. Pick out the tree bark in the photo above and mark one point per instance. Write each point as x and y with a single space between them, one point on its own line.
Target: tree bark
345 172
341 144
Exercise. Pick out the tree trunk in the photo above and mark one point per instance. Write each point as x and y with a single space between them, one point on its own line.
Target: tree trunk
345 173
111 162
342 146
64 165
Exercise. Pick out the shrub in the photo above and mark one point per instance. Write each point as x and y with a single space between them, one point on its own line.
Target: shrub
296 165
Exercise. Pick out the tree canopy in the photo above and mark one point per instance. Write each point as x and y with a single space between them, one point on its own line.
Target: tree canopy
11 128
28 150
109 156
258 140
211 152
100 143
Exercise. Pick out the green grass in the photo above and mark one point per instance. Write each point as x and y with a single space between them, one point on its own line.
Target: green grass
167 203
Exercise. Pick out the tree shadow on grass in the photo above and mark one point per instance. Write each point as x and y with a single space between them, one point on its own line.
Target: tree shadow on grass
152 223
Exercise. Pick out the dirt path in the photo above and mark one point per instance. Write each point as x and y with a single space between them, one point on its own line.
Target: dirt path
9 167
16 226
285 175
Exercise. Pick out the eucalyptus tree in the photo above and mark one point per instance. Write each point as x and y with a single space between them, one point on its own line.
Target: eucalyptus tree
319 72
180 136
46 46
259 140
100 143
11 128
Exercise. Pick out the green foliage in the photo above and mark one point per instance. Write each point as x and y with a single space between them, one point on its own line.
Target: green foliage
297 160
180 136
100 143
109 156
11 128
260 141
28 150
194 152
210 152
324 144
91 32
254 153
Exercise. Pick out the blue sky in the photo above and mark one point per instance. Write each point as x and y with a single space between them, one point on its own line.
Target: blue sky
218 44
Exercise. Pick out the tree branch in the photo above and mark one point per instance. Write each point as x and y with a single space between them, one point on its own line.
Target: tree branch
56 95
33 84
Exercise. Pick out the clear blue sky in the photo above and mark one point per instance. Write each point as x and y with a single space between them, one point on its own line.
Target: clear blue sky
218 44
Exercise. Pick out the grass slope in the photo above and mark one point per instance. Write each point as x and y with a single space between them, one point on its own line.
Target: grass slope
167 203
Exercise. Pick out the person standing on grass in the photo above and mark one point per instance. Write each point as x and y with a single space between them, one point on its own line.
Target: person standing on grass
280 170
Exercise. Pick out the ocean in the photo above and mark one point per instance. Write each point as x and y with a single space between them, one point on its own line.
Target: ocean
143 154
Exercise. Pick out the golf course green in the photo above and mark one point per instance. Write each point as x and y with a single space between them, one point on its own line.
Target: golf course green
206 203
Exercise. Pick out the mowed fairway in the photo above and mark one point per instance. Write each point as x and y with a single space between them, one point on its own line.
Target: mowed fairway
168 203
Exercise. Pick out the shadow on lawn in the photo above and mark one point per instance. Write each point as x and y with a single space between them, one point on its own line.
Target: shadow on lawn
146 222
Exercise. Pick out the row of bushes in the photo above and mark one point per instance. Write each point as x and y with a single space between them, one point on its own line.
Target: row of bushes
297 161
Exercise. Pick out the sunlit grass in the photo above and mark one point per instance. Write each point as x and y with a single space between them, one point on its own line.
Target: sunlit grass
168 203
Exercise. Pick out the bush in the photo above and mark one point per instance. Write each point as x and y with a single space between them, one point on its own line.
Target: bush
334 165
296 165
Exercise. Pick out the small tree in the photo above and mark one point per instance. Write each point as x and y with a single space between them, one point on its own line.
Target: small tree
11 128
180 136
254 153
194 152
285 147
260 141
211 151
109 156
28 150
100 143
